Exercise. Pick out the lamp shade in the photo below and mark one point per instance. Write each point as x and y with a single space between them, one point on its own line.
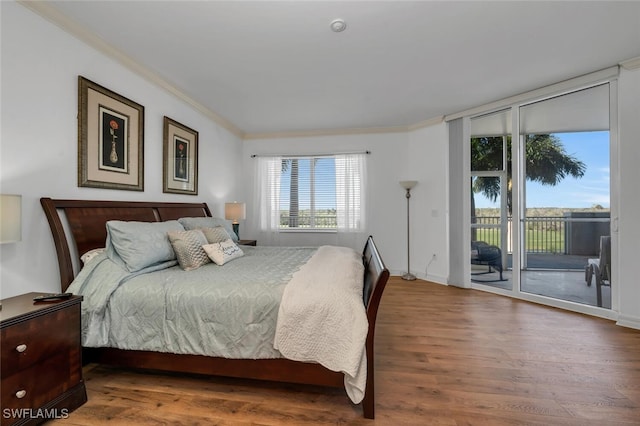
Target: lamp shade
408 184
235 211
10 218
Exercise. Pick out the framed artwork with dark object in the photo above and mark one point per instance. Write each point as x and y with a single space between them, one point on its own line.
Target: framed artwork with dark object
110 139
180 158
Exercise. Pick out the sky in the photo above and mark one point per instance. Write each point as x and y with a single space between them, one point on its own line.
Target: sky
592 148
325 194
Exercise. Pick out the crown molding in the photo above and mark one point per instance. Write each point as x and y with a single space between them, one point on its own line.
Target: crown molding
349 131
328 132
426 123
51 14
631 64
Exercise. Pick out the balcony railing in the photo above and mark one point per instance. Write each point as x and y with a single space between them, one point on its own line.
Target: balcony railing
318 221
549 234
544 234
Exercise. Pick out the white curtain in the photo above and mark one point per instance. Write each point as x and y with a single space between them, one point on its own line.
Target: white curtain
351 190
267 197
350 181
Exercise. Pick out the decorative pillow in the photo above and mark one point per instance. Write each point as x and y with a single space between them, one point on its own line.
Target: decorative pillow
188 248
215 235
141 244
207 222
90 255
223 252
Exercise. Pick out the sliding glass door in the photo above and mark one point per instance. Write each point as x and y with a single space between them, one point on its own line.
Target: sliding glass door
491 200
565 146
554 179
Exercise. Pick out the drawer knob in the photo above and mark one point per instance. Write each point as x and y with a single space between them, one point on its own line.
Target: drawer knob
21 394
21 348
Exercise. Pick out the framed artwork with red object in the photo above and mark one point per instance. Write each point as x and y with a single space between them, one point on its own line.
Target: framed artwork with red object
180 158
110 139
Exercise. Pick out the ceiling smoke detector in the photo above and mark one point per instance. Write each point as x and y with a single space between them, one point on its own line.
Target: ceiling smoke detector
338 25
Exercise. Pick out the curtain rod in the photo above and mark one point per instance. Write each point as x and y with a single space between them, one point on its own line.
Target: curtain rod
309 155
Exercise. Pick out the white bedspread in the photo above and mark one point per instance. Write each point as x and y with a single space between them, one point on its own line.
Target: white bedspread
322 317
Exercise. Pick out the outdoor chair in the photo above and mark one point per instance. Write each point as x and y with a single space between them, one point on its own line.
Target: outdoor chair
600 268
485 254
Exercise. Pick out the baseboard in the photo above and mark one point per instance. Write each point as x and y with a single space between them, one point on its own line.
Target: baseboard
432 278
438 279
628 321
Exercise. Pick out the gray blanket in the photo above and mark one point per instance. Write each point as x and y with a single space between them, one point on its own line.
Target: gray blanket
227 311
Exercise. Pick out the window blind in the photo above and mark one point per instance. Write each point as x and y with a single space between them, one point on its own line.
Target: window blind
315 192
583 110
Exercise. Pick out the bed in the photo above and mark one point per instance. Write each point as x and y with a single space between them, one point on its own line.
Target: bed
79 226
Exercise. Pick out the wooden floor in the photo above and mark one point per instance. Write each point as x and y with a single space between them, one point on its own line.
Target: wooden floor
444 356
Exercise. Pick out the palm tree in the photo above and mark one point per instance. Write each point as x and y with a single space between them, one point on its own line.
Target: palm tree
546 162
294 204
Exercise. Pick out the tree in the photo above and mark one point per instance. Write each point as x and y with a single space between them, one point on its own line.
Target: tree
294 203
546 162
294 200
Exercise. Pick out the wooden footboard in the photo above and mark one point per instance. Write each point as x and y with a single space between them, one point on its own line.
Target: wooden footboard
376 276
79 225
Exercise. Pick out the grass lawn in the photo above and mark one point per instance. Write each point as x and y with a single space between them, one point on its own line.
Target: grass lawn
544 241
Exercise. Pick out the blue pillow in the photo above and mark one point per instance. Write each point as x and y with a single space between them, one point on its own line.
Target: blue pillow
141 244
207 222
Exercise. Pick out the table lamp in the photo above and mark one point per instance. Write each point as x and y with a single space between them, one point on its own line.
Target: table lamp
235 211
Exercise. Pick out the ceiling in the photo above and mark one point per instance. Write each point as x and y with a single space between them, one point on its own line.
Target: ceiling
276 66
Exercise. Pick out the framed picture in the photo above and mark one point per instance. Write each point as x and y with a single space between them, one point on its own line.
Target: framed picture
110 139
180 158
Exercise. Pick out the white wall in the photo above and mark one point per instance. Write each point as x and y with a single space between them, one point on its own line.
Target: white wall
418 155
38 152
629 223
428 164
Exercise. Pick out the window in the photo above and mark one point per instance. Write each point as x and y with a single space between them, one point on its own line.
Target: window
312 192
308 193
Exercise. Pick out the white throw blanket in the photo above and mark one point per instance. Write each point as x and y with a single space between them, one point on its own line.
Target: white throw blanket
322 317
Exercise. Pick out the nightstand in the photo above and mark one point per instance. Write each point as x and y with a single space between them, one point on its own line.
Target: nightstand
41 359
248 242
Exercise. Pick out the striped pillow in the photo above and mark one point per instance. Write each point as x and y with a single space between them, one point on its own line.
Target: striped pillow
188 248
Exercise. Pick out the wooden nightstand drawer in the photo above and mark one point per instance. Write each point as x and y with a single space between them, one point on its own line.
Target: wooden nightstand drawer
28 343
38 384
41 359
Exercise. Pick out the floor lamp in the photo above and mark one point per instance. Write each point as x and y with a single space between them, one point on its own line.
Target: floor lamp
408 184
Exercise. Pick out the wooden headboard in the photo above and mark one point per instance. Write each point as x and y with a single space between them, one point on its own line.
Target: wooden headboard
86 223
